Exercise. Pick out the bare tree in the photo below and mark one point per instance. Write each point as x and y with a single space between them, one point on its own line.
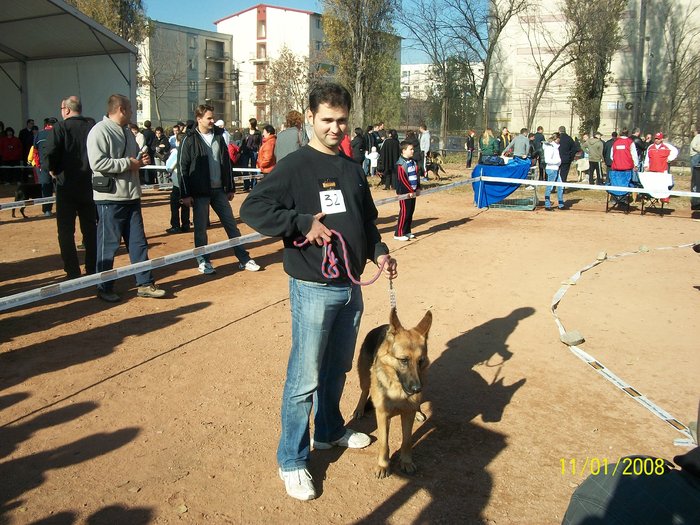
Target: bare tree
289 81
351 28
160 69
550 54
681 37
476 27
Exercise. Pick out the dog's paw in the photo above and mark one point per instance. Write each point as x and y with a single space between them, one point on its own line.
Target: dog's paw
382 472
420 416
408 466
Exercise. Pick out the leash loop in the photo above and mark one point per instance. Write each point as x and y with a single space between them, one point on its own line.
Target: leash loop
329 265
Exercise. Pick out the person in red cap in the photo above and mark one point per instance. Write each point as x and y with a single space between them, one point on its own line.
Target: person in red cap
659 154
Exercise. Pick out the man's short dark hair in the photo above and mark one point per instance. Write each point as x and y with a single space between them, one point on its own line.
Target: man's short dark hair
147 123
523 131
562 129
116 101
405 143
540 128
614 134
624 132
329 93
199 111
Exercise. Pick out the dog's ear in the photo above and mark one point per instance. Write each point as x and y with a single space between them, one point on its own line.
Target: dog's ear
394 321
425 323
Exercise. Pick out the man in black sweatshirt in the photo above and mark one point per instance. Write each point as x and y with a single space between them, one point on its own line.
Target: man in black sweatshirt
309 193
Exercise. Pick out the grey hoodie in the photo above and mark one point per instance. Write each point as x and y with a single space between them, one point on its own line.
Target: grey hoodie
109 147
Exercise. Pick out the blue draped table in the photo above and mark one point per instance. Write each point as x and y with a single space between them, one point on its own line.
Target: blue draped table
487 193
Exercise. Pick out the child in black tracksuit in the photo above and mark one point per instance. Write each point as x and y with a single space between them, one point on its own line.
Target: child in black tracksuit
408 181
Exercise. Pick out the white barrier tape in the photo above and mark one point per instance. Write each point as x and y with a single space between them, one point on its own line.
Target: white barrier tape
52 290
530 182
606 372
28 202
39 294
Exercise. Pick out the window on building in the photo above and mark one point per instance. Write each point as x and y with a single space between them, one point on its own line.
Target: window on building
193 86
192 41
191 64
319 45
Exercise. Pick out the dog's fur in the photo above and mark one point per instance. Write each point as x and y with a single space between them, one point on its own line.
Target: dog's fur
392 365
434 165
26 191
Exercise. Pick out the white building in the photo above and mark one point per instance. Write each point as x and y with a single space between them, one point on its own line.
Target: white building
416 81
636 86
182 67
259 34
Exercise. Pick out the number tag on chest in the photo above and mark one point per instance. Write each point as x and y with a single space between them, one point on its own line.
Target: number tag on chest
331 197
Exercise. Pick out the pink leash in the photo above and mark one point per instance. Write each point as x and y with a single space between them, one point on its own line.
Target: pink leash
329 265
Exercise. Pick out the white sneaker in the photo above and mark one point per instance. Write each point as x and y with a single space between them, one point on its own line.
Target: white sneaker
401 238
299 484
251 266
351 439
47 214
206 268
411 236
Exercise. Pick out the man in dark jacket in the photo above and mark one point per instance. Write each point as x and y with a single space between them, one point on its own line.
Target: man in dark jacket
206 180
539 151
388 156
68 164
607 148
568 148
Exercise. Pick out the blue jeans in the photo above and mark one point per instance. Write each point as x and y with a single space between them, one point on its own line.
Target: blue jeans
219 202
325 321
117 220
553 176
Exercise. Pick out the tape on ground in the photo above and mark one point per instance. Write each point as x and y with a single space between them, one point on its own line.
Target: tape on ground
602 369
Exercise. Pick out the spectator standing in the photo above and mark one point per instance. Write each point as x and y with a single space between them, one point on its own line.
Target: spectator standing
469 146
695 167
607 149
67 155
161 146
177 128
26 137
41 144
504 139
114 154
595 146
237 137
568 148
640 145
388 156
266 155
138 136
292 137
539 152
325 311
357 145
552 161
149 139
252 141
425 146
407 182
519 146
372 158
179 213
227 136
11 151
659 155
624 155
488 145
206 180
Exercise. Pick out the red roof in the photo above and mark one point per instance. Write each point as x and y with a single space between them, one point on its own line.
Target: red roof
266 6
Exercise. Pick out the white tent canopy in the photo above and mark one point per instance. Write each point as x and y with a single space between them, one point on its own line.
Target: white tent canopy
50 50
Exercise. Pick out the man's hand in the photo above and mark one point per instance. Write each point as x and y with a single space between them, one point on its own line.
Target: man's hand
134 164
390 271
187 201
230 195
318 232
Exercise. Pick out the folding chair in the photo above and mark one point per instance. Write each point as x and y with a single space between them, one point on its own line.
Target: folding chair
617 198
658 185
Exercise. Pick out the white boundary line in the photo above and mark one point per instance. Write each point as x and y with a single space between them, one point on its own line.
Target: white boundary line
602 369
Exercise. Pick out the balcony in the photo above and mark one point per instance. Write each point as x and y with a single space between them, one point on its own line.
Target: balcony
216 55
214 98
215 76
263 102
260 81
261 60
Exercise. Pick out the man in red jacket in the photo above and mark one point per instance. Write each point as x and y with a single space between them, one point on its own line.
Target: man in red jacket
659 154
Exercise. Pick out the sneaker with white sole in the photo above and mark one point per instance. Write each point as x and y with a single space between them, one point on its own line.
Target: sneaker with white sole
251 266
401 237
351 439
299 484
150 290
411 236
206 268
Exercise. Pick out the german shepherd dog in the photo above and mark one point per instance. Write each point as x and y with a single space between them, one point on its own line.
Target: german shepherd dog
392 365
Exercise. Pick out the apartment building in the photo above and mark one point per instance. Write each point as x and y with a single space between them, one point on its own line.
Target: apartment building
639 71
259 34
181 67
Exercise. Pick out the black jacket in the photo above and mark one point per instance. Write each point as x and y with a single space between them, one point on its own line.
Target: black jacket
358 149
66 151
388 155
193 164
568 148
284 203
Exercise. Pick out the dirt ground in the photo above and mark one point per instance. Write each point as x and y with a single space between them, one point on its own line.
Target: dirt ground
167 411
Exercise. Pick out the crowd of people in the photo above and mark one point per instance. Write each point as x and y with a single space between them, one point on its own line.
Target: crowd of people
554 155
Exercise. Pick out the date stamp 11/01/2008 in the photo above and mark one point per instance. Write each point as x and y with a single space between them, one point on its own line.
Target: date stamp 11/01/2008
625 466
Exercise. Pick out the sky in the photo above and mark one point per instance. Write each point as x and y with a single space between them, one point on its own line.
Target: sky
201 14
